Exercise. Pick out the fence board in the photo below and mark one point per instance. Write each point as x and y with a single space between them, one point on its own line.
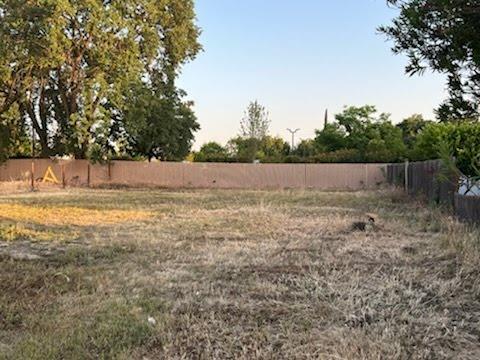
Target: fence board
468 207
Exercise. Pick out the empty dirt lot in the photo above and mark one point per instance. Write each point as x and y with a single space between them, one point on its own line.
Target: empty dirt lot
234 274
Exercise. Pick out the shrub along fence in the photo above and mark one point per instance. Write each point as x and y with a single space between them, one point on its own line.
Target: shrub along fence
428 179
199 175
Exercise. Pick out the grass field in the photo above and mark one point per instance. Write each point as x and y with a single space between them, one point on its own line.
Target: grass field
234 274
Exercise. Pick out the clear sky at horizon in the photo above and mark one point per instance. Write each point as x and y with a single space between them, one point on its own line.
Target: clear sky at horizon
298 58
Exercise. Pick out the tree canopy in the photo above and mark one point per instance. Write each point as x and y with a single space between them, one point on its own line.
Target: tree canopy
212 152
372 135
255 122
253 130
67 64
461 141
411 128
442 35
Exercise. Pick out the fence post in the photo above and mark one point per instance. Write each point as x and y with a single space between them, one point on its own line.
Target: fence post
32 177
184 166
88 174
366 177
305 177
62 167
406 176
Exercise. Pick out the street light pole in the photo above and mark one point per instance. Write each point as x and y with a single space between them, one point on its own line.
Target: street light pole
293 132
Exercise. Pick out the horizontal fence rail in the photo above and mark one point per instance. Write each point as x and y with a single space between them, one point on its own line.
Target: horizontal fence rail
200 175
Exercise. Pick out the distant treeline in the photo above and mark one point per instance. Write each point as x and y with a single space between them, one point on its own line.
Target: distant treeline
359 134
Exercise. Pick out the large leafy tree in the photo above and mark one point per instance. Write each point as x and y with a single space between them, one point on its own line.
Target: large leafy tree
158 123
442 35
411 128
67 63
361 129
461 140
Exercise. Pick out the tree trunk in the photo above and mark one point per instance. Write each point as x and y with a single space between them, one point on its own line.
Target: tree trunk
42 132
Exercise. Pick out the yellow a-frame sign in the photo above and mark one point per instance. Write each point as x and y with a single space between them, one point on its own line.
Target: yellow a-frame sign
50 176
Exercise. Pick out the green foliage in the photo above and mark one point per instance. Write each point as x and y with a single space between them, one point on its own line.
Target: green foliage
67 64
361 135
411 127
212 152
14 137
305 148
158 123
442 35
255 122
386 143
462 140
375 138
253 130
273 149
244 149
339 156
4 142
331 138
268 149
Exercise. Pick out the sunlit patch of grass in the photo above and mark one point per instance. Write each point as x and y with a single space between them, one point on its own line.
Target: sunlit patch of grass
70 215
17 232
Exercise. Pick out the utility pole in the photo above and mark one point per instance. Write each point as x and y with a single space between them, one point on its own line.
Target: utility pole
326 119
293 132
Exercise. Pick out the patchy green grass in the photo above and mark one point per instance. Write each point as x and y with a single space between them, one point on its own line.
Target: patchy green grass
147 274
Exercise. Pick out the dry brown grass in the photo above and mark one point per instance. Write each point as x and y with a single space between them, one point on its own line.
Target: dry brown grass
69 215
234 274
11 187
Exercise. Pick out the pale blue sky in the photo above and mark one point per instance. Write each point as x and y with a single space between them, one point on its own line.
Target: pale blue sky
298 58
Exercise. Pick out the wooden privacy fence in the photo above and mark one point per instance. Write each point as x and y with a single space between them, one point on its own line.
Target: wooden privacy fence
200 175
424 179
428 179
468 207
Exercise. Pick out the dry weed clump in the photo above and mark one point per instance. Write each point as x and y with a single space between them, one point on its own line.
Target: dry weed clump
237 274
11 187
